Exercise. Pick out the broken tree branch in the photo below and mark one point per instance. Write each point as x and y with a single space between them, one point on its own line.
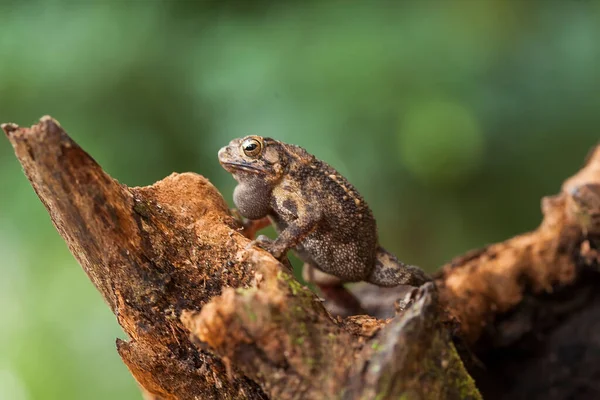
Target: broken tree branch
208 317
151 252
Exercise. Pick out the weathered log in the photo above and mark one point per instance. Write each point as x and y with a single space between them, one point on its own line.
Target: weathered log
210 317
151 252
529 307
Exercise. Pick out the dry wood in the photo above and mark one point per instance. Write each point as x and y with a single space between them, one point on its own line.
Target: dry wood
209 317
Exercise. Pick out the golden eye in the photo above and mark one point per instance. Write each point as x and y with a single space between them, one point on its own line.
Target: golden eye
252 147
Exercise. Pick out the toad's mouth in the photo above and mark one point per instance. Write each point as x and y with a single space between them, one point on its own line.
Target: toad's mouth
234 166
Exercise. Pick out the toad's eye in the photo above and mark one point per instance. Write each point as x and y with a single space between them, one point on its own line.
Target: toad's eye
251 147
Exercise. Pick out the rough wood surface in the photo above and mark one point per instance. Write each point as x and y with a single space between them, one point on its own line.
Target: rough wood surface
208 317
151 252
529 307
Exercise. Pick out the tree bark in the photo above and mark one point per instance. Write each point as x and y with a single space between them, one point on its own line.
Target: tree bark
209 317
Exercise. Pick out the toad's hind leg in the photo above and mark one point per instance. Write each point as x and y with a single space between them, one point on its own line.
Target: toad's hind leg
316 276
389 271
333 290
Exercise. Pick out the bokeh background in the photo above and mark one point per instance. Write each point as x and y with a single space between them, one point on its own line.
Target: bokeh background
452 118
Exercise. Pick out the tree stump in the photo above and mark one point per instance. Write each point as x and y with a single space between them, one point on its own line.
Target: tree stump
209 317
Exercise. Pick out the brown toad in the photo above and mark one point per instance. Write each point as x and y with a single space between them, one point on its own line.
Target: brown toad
315 211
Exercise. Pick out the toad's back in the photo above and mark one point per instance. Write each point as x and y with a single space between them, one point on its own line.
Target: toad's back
344 243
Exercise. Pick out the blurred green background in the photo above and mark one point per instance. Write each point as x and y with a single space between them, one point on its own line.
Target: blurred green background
452 118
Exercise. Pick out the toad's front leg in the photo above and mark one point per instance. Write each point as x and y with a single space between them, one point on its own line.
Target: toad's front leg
291 236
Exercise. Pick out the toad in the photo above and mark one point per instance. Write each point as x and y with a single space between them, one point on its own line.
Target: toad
315 211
